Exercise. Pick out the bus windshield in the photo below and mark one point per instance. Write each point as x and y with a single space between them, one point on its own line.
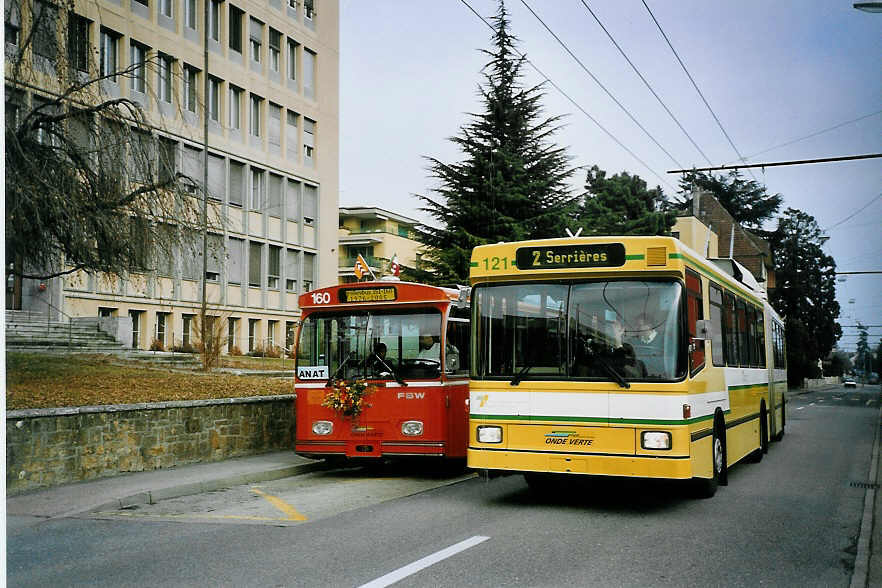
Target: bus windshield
620 330
373 344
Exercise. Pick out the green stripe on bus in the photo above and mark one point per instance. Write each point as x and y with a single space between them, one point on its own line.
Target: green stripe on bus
635 256
675 256
746 386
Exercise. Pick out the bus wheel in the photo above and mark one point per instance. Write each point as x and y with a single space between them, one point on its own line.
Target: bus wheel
707 487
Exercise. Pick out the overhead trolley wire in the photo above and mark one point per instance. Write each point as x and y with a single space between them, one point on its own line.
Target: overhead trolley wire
695 85
856 212
809 136
598 82
646 83
578 106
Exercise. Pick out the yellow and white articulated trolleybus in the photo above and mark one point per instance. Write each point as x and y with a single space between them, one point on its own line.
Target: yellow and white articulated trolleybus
620 356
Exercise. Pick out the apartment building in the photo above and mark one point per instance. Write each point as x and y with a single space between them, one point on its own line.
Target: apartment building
273 116
377 235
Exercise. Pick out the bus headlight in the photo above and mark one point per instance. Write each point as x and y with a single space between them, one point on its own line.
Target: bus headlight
322 427
412 428
655 440
489 434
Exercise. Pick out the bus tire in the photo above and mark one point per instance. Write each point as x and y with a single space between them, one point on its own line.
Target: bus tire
707 487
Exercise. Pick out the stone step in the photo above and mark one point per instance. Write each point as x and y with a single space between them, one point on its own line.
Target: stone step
48 342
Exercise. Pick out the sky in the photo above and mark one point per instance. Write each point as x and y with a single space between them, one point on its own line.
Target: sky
774 73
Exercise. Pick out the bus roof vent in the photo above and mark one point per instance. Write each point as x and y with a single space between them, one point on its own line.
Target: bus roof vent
656 256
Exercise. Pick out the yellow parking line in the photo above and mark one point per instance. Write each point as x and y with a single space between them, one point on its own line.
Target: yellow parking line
186 516
290 511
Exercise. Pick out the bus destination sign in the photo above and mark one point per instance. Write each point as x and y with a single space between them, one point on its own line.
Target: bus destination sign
570 256
387 294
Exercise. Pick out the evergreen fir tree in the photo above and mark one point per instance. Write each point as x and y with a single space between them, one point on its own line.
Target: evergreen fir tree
622 205
511 184
804 293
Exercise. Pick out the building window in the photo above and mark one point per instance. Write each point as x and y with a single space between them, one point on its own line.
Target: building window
254 117
308 271
271 334
235 108
291 135
309 73
137 56
289 335
292 59
185 329
164 78
274 126
108 54
252 334
292 269
256 189
78 41
236 29
309 9
214 20
237 182
275 49
143 2
273 267
310 204
191 88
235 260
255 254
231 333
308 141
165 8
45 23
190 16
214 99
12 22
160 327
255 39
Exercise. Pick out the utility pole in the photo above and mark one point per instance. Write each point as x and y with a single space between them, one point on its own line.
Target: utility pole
205 111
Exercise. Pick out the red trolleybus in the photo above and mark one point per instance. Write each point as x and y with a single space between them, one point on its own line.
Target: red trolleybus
409 343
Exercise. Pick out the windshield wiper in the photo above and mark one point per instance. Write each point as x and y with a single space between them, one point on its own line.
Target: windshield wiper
521 374
619 378
339 369
390 370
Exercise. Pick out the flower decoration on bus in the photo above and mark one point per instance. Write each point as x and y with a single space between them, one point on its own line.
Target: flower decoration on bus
348 399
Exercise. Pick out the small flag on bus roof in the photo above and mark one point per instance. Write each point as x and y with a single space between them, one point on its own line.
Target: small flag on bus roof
362 268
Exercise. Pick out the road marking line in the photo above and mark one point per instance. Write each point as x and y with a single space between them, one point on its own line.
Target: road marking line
290 511
176 515
423 563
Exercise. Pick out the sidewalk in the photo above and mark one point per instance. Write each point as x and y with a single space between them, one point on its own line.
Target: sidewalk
152 486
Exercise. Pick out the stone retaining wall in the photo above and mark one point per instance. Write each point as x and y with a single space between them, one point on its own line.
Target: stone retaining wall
47 447
827 381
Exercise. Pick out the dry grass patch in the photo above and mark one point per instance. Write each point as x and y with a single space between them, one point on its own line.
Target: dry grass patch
49 381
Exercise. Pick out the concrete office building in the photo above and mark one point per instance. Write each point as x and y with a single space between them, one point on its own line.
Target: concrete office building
273 116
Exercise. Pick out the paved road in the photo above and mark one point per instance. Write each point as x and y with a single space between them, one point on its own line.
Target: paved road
792 519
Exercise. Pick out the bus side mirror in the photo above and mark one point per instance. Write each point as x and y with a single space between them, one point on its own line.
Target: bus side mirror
703 329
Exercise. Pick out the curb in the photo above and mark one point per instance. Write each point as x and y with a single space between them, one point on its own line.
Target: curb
154 496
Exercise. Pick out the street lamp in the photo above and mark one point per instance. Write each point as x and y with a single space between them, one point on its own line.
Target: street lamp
869 6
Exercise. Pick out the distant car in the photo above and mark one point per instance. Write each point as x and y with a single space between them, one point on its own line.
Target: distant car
849 383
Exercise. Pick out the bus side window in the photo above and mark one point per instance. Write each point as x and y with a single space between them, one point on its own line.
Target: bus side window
456 347
716 317
694 312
